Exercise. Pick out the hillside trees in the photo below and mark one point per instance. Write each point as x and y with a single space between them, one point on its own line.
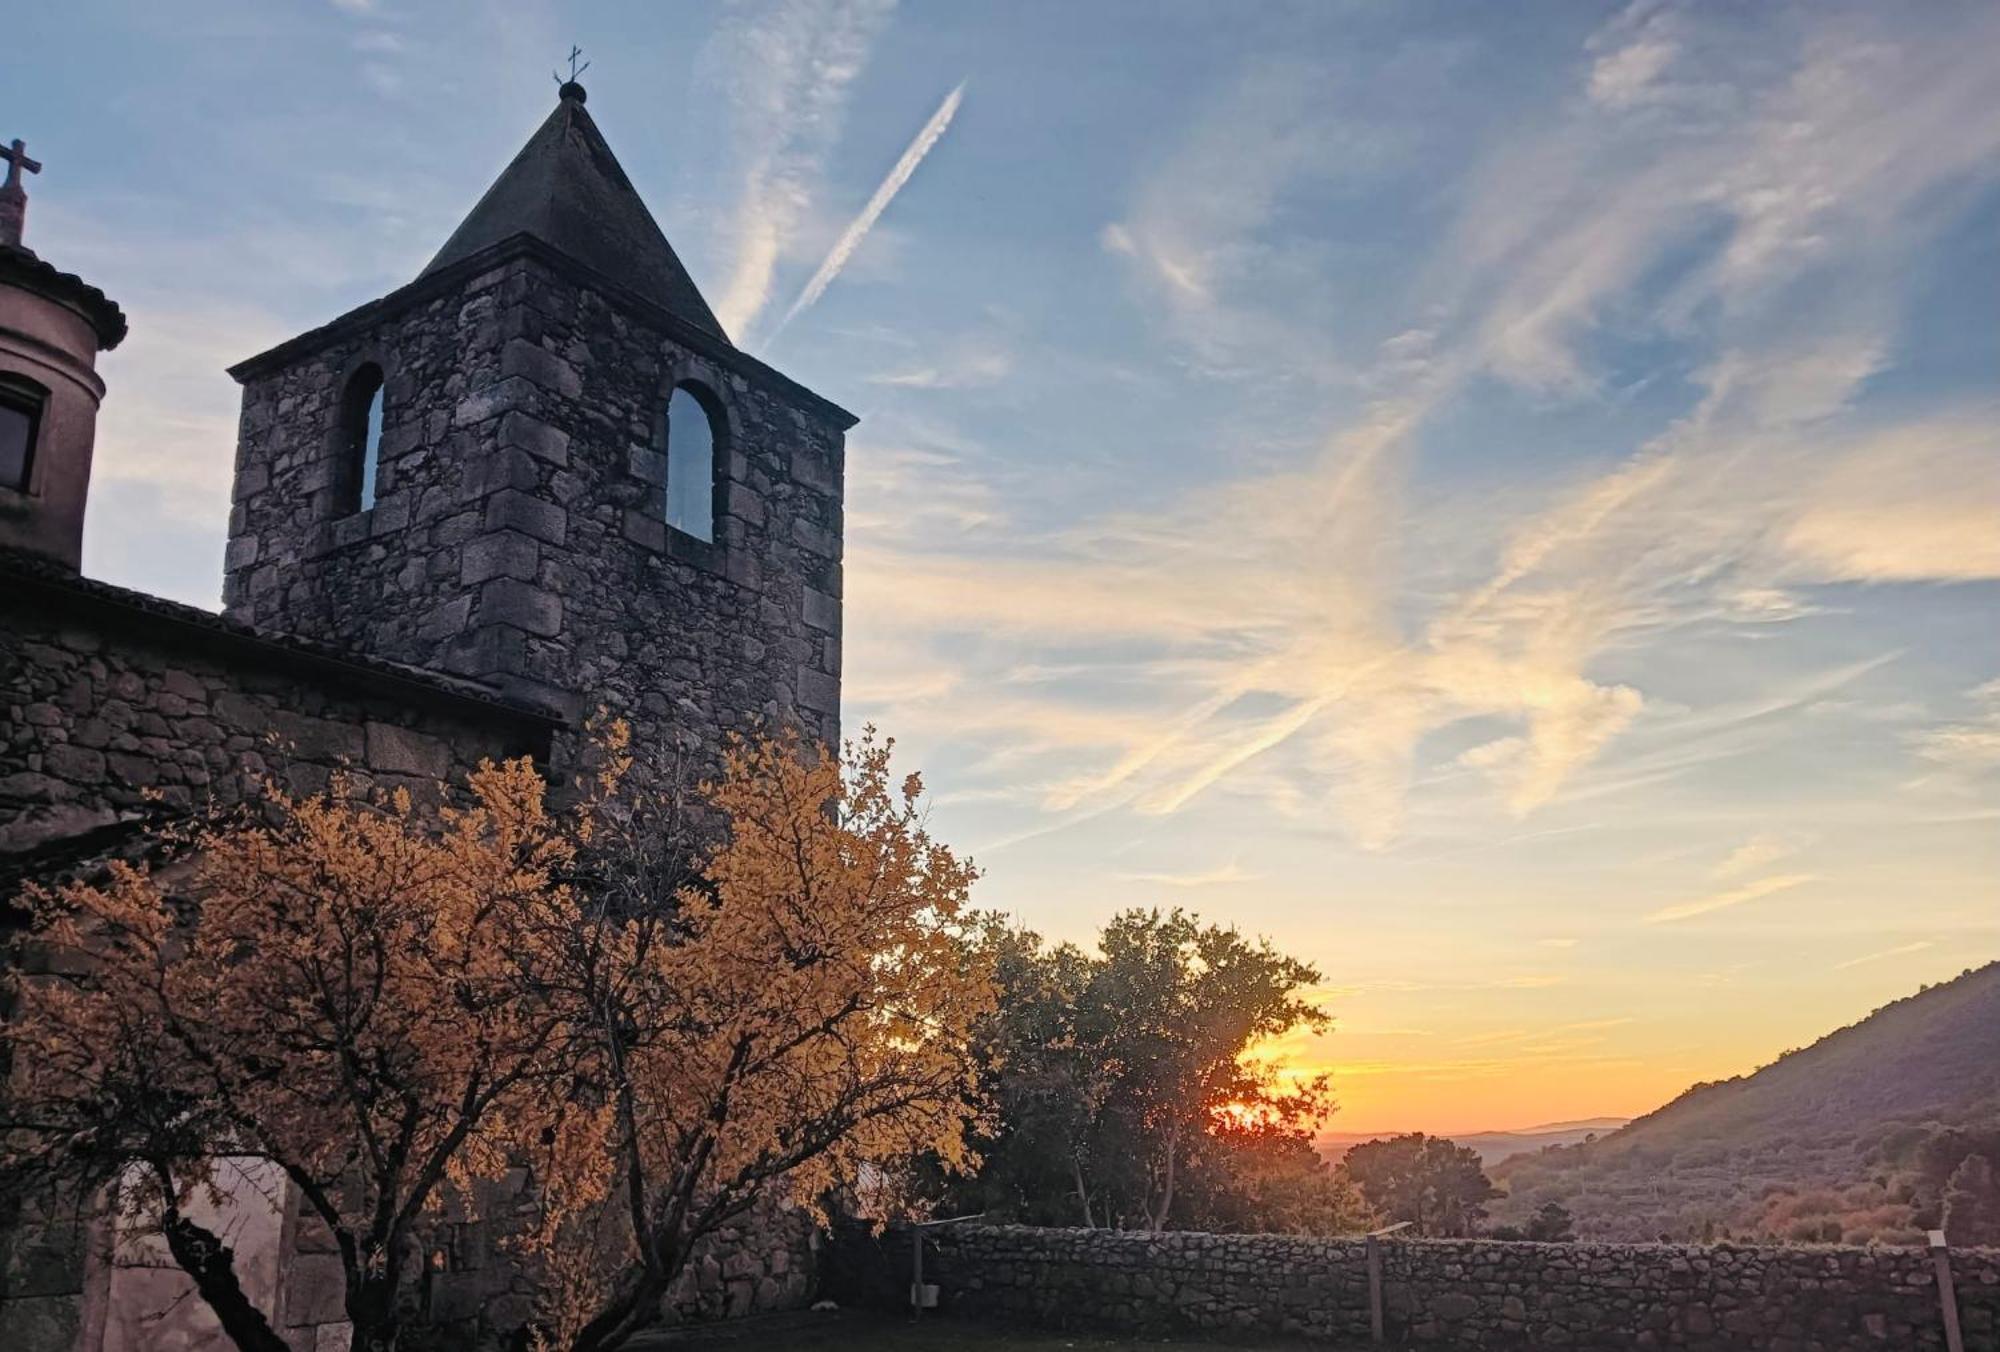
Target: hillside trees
1854 1138
1270 1178
1126 1089
1437 1185
1551 1223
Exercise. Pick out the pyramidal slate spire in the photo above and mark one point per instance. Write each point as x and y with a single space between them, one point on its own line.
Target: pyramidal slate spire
567 190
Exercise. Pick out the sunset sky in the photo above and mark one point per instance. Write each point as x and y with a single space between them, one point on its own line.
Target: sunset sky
1503 500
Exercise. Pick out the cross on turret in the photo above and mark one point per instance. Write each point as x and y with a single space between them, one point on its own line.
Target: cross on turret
571 89
13 197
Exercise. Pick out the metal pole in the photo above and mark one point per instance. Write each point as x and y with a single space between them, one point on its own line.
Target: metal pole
1374 1290
1954 1341
917 1229
1374 1249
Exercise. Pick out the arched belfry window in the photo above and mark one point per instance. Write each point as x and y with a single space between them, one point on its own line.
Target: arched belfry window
691 455
360 446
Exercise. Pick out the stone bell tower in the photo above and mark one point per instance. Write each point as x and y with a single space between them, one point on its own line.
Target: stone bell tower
543 465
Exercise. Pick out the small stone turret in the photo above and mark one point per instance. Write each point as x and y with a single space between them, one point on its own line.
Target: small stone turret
52 326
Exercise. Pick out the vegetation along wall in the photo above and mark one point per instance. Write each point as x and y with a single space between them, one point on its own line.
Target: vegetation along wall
1442 1293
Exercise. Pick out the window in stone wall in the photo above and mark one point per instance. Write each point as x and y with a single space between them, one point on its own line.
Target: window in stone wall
690 464
20 423
360 447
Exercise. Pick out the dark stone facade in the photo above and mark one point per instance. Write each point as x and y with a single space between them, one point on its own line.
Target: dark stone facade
519 535
1481 1296
121 708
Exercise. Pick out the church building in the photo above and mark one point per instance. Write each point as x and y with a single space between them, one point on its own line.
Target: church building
537 481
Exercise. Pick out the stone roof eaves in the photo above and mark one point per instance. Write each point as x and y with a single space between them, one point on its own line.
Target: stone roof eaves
432 284
30 580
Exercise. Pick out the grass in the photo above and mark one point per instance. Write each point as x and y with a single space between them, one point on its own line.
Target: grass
851 1331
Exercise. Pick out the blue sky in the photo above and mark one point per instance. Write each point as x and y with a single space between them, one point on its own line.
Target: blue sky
1502 499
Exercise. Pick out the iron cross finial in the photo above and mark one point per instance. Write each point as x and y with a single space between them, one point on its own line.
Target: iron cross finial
13 197
574 69
17 159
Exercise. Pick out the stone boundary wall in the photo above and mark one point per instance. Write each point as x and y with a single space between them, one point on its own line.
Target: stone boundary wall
478 1290
1472 1294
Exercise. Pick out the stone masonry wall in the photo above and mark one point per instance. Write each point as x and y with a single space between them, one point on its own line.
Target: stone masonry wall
105 722
477 1290
764 1262
118 707
1470 1294
519 534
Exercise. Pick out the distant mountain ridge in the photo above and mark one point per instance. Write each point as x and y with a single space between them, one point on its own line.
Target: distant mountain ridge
1493 1146
1852 1138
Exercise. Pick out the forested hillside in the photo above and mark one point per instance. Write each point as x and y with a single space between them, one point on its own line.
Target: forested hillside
1865 1135
1491 1146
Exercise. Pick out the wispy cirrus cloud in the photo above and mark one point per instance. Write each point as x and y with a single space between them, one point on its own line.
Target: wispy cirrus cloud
1917 504
1212 877
1200 234
1968 748
1273 605
1735 896
1757 853
1749 182
1900 950
977 362
787 68
1632 53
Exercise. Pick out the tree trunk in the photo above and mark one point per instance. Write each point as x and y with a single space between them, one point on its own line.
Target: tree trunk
206 1259
1082 1193
371 1307
625 1314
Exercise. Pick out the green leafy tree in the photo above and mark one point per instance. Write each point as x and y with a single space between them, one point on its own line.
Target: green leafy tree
1435 1184
1124 1086
1043 1081
1269 1178
1182 1005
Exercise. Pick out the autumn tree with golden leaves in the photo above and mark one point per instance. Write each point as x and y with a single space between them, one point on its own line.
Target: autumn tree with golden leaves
801 1008
349 989
390 1005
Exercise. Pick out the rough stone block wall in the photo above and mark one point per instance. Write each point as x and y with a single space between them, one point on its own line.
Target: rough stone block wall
119 707
519 533
42 1264
1486 1296
477 1290
106 726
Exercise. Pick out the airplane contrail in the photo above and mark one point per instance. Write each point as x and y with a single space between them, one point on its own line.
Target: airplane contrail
857 229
